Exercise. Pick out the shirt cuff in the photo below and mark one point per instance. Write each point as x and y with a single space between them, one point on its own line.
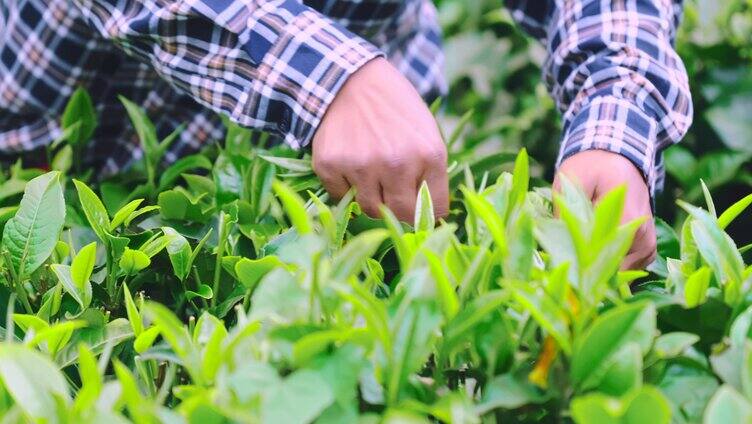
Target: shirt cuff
300 69
617 126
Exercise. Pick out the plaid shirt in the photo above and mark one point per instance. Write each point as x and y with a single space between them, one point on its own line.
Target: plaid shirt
276 65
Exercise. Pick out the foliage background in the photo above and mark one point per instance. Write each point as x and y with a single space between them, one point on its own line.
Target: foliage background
494 70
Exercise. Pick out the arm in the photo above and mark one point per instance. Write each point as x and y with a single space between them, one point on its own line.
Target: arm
623 92
278 66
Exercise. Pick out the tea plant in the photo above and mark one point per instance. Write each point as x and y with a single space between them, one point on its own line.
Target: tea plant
231 289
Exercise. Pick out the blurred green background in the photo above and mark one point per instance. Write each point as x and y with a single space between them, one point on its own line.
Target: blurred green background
494 70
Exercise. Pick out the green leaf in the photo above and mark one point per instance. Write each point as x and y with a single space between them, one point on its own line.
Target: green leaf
708 198
130 393
35 383
306 389
179 251
733 211
295 208
645 405
91 380
147 134
210 333
63 160
204 291
82 295
555 239
117 245
83 265
519 264
79 112
520 179
123 213
251 271
447 293
182 165
176 335
509 392
134 317
353 256
672 345
412 340
96 337
718 249
608 213
404 251
31 235
546 311
135 214
484 210
610 332
696 287
94 210
133 261
56 336
177 204
728 406
424 215
457 132
278 297
154 245
302 166
624 372
471 314
146 339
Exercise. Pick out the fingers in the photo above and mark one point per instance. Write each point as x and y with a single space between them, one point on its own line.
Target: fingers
336 185
367 193
643 250
438 185
399 197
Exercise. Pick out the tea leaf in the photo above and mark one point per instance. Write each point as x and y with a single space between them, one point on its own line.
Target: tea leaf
728 406
294 207
31 235
179 252
610 332
733 211
250 272
133 261
123 213
80 117
696 287
82 294
33 381
83 265
424 215
134 317
94 210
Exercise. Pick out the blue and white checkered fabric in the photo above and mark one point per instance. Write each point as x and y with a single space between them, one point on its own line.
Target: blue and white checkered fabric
276 65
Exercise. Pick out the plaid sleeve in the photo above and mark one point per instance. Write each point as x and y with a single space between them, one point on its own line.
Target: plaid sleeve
615 76
273 65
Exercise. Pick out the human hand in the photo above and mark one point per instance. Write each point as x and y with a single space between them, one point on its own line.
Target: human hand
598 172
379 137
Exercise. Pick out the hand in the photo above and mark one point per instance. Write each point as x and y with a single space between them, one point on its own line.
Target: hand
600 171
379 137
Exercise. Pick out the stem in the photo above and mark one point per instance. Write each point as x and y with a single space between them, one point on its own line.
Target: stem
17 283
220 253
110 277
198 286
247 301
164 390
21 292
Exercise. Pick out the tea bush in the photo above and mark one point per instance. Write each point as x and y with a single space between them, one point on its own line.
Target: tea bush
228 288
